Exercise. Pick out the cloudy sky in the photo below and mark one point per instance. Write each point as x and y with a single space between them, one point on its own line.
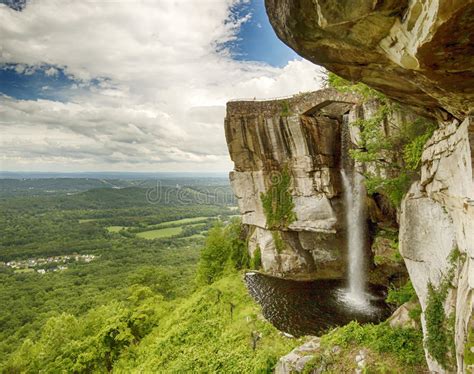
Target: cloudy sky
133 85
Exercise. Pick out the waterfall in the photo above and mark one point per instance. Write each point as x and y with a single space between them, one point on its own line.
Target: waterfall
354 197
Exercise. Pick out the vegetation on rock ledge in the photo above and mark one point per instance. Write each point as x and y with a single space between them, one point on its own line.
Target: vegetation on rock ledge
277 202
387 350
390 152
439 326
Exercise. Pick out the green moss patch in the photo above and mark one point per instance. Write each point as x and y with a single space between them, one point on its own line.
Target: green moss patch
277 202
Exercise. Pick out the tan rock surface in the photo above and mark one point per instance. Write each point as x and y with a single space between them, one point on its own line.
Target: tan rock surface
419 52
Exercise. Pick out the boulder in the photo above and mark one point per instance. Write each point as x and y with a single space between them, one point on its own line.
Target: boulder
401 316
296 360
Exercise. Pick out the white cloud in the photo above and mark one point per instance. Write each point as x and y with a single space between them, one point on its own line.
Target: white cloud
160 101
51 72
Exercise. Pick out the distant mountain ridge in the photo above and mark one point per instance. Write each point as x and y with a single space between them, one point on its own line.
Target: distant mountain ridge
110 175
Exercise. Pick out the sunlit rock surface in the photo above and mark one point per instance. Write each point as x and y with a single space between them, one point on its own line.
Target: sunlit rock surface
298 358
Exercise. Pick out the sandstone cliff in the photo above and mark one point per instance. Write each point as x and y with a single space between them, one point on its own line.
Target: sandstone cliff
421 54
298 138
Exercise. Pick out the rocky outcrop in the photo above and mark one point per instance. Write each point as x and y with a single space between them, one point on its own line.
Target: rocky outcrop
297 138
298 358
401 317
437 218
417 52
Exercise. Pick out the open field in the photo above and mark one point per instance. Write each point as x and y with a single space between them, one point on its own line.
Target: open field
115 228
160 233
87 220
184 221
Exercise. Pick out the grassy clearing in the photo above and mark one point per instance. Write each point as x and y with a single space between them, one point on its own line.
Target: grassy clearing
87 220
160 233
183 221
201 235
115 228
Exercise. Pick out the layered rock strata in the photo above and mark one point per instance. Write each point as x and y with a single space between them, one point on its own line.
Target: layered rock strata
300 136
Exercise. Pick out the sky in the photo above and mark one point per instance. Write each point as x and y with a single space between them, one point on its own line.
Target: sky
134 85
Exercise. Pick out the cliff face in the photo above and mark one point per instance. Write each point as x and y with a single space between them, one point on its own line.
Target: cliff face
296 141
291 151
437 220
420 53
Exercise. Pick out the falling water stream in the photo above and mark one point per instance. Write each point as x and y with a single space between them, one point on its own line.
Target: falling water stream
354 198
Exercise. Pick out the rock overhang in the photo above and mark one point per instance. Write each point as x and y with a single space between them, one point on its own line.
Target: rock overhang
420 53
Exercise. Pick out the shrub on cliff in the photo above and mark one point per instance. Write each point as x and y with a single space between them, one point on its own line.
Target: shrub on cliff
224 249
440 326
256 261
402 295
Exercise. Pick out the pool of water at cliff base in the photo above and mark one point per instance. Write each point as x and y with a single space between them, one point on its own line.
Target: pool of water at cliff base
312 307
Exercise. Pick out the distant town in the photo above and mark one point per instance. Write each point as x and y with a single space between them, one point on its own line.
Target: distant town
43 265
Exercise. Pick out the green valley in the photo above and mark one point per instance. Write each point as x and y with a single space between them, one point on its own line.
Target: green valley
63 253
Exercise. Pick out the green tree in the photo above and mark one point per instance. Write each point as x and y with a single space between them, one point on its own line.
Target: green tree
224 248
239 255
214 255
